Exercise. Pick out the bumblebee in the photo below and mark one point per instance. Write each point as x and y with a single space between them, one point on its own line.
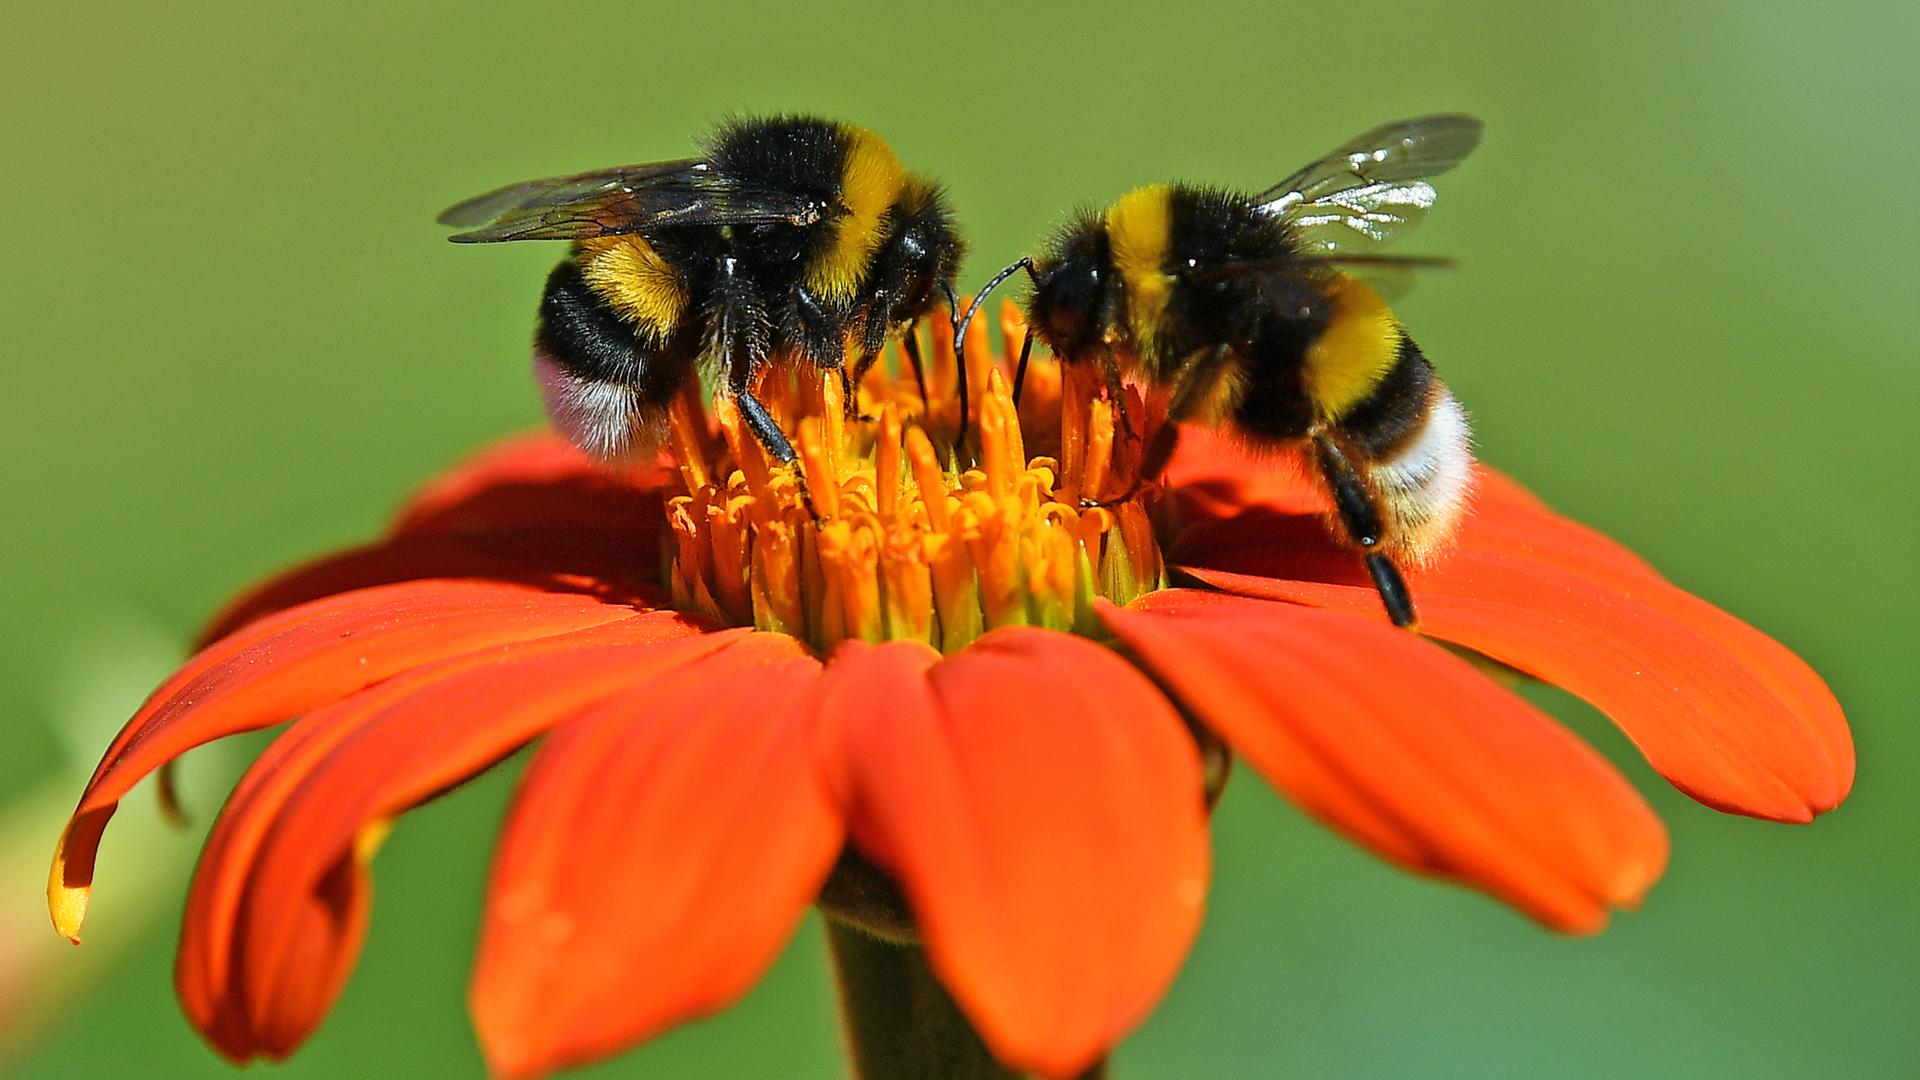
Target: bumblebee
1253 312
789 240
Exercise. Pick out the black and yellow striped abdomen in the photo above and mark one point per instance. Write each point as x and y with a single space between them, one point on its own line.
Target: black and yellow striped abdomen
1355 350
636 281
607 377
1409 442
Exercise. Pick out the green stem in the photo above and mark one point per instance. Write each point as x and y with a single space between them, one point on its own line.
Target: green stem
900 1023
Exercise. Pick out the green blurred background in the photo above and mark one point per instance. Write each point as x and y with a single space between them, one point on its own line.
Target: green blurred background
1685 312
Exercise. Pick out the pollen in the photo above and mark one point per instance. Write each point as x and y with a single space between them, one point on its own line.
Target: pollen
889 527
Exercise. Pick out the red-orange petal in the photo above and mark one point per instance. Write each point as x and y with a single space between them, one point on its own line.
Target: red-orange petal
288 663
609 563
1728 715
537 481
1228 497
1040 804
660 852
531 510
1212 477
275 915
1406 748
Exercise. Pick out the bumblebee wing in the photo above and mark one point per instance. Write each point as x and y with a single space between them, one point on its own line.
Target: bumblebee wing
624 199
1391 281
1372 189
1404 150
1392 276
554 190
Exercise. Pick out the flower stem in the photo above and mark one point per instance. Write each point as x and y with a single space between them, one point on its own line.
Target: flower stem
900 1023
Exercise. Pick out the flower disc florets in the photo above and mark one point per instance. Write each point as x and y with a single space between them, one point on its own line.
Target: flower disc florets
897 533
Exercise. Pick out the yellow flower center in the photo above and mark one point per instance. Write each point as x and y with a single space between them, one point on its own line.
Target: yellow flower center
900 541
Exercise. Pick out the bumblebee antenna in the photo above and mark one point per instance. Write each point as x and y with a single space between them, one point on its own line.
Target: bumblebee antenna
960 367
960 329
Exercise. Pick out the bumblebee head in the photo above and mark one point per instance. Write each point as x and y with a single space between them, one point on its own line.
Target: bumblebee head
919 253
1075 289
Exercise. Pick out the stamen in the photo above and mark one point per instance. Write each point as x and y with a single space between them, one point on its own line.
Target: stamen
744 449
926 476
1099 449
908 586
831 415
886 464
817 459
730 555
944 414
1080 386
691 441
998 447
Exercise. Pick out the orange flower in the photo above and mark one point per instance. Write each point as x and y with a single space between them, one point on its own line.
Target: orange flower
971 681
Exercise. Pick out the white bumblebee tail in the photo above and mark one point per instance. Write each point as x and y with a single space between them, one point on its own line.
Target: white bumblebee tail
1423 487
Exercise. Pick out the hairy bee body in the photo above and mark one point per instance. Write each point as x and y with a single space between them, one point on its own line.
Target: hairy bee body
790 240
1241 308
1200 290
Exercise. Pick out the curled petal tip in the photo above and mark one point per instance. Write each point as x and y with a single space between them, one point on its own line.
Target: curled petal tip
66 900
510 1054
68 913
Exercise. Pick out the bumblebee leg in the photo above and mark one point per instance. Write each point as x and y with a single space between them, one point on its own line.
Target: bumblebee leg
1392 589
960 324
1159 451
1166 438
761 423
771 438
960 394
1152 464
850 386
1116 390
819 331
1020 369
1361 519
849 400
910 348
